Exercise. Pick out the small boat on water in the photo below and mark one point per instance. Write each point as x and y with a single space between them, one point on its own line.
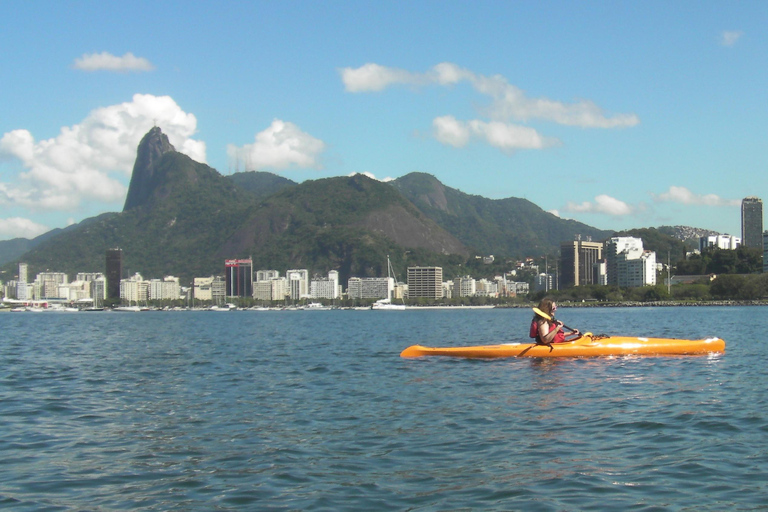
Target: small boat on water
386 304
586 346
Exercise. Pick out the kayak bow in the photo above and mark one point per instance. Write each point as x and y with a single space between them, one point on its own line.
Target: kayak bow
586 346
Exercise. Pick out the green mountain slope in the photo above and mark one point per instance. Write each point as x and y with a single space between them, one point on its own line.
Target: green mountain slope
510 227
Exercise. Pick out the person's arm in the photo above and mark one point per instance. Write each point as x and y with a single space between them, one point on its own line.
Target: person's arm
545 333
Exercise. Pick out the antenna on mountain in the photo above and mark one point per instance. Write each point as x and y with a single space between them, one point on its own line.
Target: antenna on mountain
154 123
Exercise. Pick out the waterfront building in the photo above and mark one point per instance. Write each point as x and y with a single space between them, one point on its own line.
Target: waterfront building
114 272
167 288
577 260
267 275
370 287
23 290
325 287
752 222
239 277
719 241
298 283
486 288
134 290
426 282
201 288
47 284
464 286
98 289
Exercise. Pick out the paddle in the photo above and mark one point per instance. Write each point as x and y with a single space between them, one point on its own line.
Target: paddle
544 315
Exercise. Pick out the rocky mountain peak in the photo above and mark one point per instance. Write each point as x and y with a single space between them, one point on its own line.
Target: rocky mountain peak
151 149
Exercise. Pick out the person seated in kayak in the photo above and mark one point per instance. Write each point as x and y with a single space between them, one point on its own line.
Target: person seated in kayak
548 330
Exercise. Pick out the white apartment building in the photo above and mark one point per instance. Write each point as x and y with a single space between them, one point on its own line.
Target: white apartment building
370 287
638 271
134 289
464 287
23 289
325 287
515 288
486 288
267 275
270 290
719 241
47 284
628 264
298 283
209 288
167 288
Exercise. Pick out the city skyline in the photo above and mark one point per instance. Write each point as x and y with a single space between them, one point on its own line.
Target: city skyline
617 115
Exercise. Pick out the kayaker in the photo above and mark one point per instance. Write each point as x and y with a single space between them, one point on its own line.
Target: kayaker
548 330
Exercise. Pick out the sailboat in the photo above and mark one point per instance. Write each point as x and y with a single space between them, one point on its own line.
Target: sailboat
386 304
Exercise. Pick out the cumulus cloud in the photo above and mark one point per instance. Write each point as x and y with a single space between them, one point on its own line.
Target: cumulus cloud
87 161
505 136
16 227
730 37
280 146
508 102
602 204
105 61
684 196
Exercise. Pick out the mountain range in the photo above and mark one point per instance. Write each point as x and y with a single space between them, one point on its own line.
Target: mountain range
184 218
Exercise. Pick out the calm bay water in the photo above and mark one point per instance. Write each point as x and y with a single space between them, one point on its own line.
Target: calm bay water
315 410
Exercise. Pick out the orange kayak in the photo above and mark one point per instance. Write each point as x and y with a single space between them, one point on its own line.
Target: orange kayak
586 346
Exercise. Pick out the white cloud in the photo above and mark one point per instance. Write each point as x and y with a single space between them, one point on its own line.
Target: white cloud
684 196
603 204
280 146
508 101
730 37
16 227
87 161
508 137
373 77
450 131
105 61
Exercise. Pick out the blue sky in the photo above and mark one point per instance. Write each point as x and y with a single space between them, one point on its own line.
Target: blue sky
616 114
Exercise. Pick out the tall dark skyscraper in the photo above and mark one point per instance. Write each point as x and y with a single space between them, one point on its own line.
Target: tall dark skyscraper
114 272
752 222
239 276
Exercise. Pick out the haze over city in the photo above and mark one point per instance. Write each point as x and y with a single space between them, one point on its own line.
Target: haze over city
618 115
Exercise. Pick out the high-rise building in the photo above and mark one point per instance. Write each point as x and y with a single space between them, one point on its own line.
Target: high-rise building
765 251
577 261
628 264
239 277
752 222
114 272
298 283
425 282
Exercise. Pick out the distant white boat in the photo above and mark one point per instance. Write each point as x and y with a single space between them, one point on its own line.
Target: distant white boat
316 306
225 307
128 308
386 304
